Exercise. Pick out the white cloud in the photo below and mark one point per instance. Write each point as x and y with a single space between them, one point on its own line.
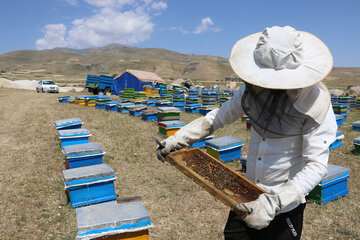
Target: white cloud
72 2
54 37
159 5
109 24
205 25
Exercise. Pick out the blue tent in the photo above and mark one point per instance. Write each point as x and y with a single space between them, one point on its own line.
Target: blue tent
136 79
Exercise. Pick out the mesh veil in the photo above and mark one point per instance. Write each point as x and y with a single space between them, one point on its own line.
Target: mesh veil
273 115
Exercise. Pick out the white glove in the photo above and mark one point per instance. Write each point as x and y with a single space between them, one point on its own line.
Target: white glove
263 210
185 137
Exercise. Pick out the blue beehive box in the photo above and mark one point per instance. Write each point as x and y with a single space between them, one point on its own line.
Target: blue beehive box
100 105
113 219
339 119
111 106
70 123
356 125
123 107
337 143
73 136
82 155
149 114
332 186
90 185
201 143
192 109
136 109
224 148
64 99
206 109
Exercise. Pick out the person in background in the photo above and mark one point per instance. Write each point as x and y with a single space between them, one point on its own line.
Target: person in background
292 127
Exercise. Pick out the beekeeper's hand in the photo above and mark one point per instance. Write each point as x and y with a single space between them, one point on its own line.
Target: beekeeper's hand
185 137
263 210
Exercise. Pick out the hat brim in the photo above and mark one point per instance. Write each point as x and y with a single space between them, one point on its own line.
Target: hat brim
317 64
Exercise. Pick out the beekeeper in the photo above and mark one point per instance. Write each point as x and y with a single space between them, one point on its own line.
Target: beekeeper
293 125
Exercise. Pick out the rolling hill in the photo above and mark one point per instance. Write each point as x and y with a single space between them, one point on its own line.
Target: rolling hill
72 65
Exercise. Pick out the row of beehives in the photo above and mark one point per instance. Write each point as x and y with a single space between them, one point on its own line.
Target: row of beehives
189 103
89 184
351 101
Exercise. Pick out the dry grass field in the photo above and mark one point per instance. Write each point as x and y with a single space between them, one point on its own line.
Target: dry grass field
33 203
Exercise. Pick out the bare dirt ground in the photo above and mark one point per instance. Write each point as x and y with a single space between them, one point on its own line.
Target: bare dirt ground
33 202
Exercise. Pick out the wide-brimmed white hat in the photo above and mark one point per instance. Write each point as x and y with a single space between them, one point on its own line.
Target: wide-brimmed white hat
281 58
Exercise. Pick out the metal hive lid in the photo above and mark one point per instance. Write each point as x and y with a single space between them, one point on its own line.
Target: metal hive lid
334 171
171 123
67 121
224 141
84 148
73 132
93 171
112 215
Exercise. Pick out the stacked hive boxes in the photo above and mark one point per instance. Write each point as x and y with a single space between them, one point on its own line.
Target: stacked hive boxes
209 97
147 89
128 93
168 113
339 119
224 148
332 186
88 181
192 101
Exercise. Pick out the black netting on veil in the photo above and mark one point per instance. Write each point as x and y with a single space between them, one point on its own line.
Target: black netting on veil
273 115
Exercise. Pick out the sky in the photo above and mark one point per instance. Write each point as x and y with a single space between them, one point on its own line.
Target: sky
202 27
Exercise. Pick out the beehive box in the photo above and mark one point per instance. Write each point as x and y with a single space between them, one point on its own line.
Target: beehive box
149 114
168 113
337 143
64 99
82 155
192 109
339 119
169 128
206 109
73 136
356 125
123 107
226 185
332 186
357 145
100 105
201 143
136 109
89 185
112 220
70 123
225 148
112 106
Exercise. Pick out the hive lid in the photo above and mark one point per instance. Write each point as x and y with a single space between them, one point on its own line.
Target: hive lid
112 216
138 107
79 149
222 142
64 97
357 140
112 103
73 132
356 123
168 109
333 172
67 122
88 172
126 104
171 123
